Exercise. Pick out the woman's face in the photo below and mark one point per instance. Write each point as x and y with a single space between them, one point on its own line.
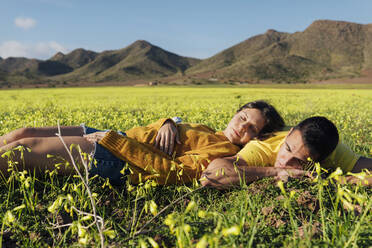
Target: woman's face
244 126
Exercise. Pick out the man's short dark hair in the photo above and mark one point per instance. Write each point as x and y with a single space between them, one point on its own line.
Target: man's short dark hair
319 135
273 121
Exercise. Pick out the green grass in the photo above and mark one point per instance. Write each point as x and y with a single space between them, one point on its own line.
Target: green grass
257 215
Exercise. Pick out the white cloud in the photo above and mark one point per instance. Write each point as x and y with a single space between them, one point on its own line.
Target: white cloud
24 22
12 49
40 50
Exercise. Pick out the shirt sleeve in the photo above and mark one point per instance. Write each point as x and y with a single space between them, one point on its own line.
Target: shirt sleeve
147 162
255 155
146 134
342 157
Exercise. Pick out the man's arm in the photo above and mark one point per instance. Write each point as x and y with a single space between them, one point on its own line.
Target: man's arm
362 163
227 172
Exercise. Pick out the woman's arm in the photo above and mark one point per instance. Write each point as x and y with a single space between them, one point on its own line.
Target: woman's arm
228 172
150 163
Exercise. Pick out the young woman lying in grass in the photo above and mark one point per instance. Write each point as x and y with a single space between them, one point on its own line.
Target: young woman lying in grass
166 152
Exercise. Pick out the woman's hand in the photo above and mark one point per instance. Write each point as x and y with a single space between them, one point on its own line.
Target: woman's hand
95 137
167 137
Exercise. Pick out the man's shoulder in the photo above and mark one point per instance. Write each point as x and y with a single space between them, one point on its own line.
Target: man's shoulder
262 152
342 156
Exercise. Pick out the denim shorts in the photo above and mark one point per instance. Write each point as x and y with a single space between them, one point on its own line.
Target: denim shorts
104 163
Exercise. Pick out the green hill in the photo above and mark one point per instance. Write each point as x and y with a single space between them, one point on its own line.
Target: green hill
325 49
240 53
14 65
140 60
75 59
24 70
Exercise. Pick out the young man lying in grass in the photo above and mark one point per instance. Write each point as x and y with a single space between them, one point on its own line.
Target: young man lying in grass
288 154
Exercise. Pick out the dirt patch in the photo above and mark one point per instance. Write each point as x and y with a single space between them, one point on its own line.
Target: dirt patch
306 199
366 78
267 210
310 229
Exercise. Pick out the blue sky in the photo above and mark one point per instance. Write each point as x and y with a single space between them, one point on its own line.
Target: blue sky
40 28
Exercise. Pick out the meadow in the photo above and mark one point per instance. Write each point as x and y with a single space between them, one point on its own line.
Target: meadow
51 210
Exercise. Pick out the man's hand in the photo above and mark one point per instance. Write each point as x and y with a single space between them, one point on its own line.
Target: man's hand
95 137
167 137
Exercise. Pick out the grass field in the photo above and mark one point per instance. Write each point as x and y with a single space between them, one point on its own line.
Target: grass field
261 214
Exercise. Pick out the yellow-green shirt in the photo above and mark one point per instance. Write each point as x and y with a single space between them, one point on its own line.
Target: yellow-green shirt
199 145
263 153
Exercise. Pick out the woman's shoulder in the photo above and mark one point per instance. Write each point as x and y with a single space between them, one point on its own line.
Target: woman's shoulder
197 126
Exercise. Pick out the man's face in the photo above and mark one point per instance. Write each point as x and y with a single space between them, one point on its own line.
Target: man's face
244 126
293 153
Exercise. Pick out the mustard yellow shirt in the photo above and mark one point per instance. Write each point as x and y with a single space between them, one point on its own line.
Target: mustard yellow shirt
263 153
199 145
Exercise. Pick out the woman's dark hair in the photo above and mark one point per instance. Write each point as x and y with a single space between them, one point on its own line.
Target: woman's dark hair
274 122
319 135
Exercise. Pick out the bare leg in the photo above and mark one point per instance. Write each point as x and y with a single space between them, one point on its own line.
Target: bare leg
29 132
37 159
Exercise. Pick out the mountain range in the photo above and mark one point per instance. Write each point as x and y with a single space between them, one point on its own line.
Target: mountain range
325 50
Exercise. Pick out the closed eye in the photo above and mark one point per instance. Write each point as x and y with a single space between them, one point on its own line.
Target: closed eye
287 147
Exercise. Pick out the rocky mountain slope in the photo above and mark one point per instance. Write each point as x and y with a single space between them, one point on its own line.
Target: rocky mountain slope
325 50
